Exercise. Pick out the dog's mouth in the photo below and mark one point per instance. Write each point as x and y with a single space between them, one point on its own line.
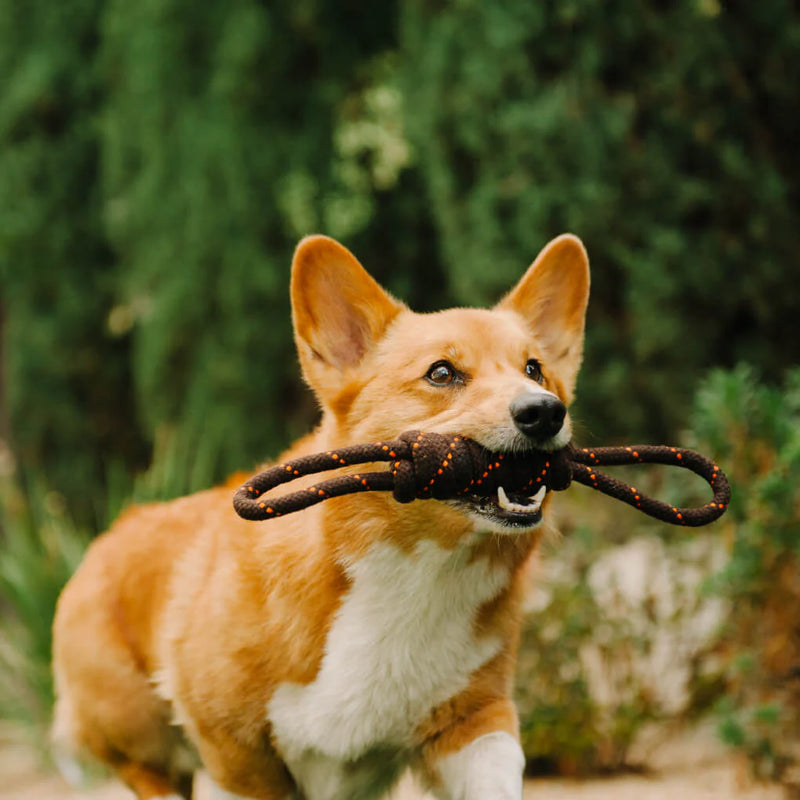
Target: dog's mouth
507 509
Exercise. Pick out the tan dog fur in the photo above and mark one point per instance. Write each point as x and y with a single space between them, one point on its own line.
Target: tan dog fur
183 612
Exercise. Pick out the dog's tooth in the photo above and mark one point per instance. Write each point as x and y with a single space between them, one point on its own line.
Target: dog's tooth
502 499
539 496
508 505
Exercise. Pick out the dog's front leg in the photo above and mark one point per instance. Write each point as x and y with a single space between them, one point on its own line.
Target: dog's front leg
488 768
478 759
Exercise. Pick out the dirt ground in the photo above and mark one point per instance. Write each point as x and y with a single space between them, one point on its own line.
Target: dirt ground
690 767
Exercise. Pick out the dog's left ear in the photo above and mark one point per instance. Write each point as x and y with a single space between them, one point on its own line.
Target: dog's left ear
552 297
339 311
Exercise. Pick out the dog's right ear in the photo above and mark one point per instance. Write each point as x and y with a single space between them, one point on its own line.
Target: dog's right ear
339 311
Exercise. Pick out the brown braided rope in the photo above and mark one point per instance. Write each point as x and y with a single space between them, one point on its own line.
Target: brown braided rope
425 465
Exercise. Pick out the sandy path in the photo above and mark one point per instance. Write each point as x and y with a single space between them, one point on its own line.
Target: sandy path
688 771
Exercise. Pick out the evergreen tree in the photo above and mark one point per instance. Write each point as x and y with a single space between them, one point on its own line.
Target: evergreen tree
220 153
66 400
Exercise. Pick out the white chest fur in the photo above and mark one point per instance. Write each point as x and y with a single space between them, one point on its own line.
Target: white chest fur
402 642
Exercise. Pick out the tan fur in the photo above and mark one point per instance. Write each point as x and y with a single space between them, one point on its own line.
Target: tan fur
183 611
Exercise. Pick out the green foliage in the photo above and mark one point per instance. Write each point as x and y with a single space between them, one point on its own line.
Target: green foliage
614 642
208 185
559 719
41 549
189 184
754 430
64 379
158 162
662 135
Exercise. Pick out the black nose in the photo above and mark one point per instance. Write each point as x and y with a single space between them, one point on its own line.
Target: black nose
538 416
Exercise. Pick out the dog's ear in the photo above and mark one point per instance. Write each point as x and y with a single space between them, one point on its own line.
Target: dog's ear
339 311
552 297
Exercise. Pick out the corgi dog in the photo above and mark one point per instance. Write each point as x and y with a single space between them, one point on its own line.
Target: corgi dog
319 655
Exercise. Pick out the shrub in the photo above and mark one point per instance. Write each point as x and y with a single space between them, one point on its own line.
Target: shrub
41 547
616 639
754 429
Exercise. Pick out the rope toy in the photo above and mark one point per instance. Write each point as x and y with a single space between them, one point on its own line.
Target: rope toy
425 465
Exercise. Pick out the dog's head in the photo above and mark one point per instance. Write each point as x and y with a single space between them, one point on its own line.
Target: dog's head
502 376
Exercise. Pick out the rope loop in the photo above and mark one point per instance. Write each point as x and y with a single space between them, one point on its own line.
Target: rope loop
585 460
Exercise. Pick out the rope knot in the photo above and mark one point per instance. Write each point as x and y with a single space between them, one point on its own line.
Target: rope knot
435 466
444 467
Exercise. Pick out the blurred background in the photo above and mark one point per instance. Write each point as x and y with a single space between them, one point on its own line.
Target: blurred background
159 160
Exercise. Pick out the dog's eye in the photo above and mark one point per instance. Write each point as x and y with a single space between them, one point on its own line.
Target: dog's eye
442 373
533 369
